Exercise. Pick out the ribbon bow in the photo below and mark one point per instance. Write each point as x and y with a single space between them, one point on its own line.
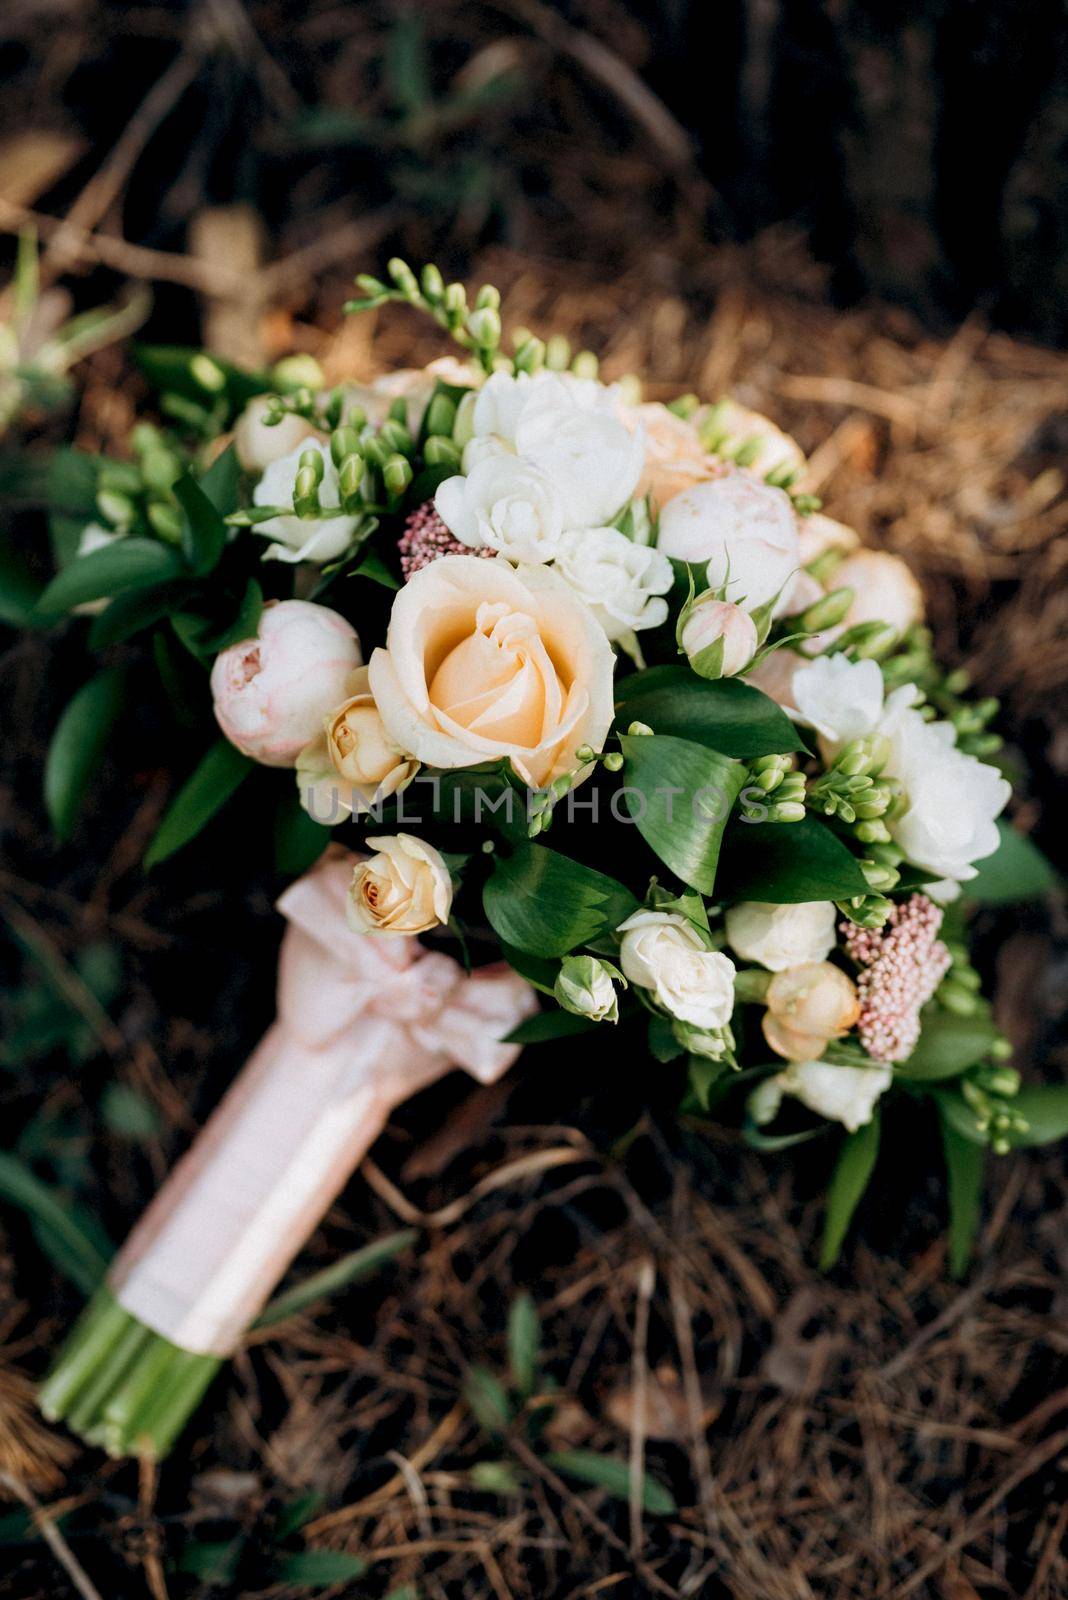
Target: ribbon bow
364 1021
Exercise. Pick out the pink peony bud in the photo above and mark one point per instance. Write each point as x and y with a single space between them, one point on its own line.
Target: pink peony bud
712 620
272 692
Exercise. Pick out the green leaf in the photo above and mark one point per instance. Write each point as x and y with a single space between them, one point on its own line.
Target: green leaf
524 1343
855 1165
135 610
541 974
245 624
1045 1108
319 1569
788 862
1016 871
292 1517
680 795
171 368
663 1045
217 777
488 1400
958 1114
947 1045
725 715
127 1113
299 840
77 745
545 1026
612 1475
214 1562
351 1268
127 564
546 904
372 566
702 1075
19 590
964 1169
221 484
203 531
69 1242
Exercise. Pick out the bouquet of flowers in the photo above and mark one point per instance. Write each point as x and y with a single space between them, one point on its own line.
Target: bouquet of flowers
579 683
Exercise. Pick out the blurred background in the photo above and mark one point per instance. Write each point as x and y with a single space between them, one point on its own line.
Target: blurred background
852 217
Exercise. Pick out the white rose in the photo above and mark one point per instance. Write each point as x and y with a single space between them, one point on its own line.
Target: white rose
819 534
572 430
662 951
711 620
952 799
303 538
841 699
782 936
257 445
841 1094
744 529
404 888
506 504
619 580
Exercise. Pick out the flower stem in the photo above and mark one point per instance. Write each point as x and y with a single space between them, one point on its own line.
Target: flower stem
121 1386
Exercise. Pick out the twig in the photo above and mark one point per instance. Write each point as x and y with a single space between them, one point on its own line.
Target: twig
105 186
640 1385
54 1539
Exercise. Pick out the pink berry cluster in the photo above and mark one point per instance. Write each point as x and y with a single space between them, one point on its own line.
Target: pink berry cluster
426 538
902 963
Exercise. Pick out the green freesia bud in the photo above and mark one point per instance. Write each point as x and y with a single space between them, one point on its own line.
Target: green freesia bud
439 452
558 353
396 436
165 521
828 612
584 987
585 364
118 509
306 491
312 461
344 442
207 373
397 474
488 295
441 416
484 326
455 301
160 468
403 277
298 372
530 356
350 483
432 282
464 427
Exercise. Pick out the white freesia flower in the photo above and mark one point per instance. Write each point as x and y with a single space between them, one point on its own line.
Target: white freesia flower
507 504
841 1094
662 951
841 699
781 936
302 538
952 799
620 581
744 529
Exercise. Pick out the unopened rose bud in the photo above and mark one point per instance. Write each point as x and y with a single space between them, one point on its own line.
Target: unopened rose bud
404 888
718 637
807 1007
272 692
584 987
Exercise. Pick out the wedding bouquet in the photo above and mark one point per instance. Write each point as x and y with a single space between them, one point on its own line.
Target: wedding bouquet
467 611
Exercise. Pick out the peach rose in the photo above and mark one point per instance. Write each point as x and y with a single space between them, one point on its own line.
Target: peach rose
675 458
484 661
819 534
353 764
808 1006
404 888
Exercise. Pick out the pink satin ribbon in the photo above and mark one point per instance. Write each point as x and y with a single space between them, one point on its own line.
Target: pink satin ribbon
364 1021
